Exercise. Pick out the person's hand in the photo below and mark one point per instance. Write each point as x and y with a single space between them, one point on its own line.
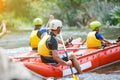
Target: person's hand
68 41
109 44
118 43
69 63
118 39
82 43
51 17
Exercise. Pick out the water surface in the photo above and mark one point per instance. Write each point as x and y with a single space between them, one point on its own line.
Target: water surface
17 42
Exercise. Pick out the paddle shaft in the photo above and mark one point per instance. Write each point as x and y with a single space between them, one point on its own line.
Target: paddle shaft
66 52
51 18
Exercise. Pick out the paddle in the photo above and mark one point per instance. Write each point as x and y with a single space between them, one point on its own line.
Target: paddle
74 76
51 18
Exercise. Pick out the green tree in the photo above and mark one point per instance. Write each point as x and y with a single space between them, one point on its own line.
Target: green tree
20 8
115 16
71 12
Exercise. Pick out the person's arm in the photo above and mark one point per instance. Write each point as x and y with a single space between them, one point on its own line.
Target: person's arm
4 30
83 42
101 37
59 40
53 45
108 42
58 59
67 42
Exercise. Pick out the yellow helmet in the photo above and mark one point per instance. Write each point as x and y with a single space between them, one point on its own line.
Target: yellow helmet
37 21
95 24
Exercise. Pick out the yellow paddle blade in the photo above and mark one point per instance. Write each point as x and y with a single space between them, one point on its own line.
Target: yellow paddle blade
75 77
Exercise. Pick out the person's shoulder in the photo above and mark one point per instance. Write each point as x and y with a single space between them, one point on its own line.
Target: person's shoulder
98 33
43 29
53 39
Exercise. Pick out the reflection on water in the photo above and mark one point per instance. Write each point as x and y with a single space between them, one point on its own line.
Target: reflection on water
18 43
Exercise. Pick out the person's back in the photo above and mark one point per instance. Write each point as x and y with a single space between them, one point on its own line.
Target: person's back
34 38
92 41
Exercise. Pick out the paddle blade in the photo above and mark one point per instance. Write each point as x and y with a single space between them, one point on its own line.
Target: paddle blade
75 77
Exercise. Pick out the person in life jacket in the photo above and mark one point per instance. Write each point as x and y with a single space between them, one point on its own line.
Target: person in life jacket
94 38
68 41
37 33
40 31
48 47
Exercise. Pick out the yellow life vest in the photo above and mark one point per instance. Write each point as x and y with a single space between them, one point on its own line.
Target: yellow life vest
42 48
92 41
34 39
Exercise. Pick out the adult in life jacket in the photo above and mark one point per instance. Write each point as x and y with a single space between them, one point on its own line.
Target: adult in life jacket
40 31
48 47
94 38
67 42
37 33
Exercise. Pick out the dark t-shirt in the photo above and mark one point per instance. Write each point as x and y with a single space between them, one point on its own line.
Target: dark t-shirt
52 43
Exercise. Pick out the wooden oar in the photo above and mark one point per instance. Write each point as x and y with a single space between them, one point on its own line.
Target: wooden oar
73 75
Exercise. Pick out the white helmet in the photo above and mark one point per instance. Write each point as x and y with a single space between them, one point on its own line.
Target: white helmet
54 24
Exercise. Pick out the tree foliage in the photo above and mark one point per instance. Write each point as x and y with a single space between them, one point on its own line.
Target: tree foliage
115 16
20 8
72 12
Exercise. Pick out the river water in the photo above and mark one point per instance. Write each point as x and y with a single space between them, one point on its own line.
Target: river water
17 42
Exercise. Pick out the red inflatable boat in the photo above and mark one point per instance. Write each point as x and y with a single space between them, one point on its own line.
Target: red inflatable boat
90 59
